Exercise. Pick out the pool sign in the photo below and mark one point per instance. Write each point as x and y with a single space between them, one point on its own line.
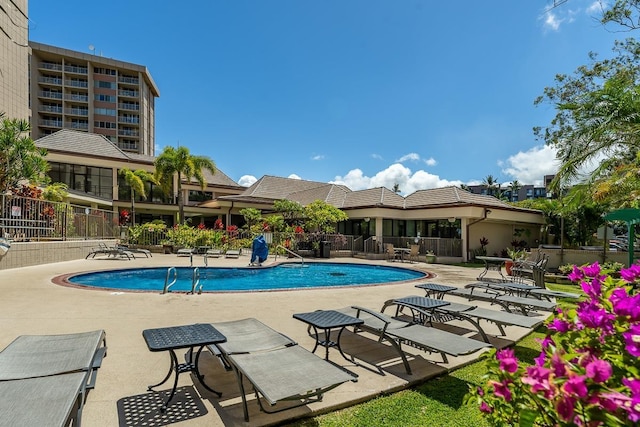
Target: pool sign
16 211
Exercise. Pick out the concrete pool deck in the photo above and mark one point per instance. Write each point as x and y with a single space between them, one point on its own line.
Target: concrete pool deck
32 304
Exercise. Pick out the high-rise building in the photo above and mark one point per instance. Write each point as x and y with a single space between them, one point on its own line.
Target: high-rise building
91 93
14 60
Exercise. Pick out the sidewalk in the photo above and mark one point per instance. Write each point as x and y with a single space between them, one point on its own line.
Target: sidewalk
31 304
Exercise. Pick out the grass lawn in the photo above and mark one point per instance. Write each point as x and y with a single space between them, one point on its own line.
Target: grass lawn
439 402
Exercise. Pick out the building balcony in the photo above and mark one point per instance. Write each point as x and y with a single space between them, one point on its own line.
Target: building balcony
50 123
54 81
128 146
77 112
50 109
129 80
76 83
76 97
128 132
50 66
79 125
50 95
130 107
76 69
128 93
131 120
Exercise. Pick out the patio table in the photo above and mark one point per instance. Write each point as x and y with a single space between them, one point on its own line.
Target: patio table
436 290
176 337
492 263
327 320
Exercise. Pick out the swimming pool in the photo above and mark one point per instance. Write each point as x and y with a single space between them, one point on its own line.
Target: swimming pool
221 279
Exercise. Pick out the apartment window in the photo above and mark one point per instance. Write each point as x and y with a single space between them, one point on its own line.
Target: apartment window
105 111
91 180
105 85
105 98
104 125
200 196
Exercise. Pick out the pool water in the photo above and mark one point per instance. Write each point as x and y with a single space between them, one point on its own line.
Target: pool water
213 279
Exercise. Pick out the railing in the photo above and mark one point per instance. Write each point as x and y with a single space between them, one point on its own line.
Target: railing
195 281
275 258
440 246
27 219
167 284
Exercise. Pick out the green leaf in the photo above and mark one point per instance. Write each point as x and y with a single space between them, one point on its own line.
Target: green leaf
527 417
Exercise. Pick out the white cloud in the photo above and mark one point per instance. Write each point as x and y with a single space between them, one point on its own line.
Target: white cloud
396 173
376 156
414 157
430 161
247 180
293 176
551 21
318 157
531 166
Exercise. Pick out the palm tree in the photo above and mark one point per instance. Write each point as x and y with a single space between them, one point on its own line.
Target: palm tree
491 184
179 161
396 188
20 159
136 180
515 186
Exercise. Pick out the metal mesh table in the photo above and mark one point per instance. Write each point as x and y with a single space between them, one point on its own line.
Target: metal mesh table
176 337
327 320
435 290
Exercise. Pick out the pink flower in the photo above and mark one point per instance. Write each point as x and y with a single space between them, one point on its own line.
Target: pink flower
593 316
508 360
485 408
538 378
501 389
559 325
576 275
632 340
599 370
625 305
631 274
592 288
565 406
592 270
558 365
576 386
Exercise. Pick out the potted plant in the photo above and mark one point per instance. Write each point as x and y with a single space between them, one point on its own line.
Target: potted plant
515 255
430 257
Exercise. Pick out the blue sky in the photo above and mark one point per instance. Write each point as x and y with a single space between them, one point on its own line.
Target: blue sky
367 93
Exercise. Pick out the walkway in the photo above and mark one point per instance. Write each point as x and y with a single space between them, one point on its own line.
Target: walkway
31 304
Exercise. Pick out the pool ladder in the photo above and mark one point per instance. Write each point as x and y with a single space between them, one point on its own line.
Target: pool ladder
195 280
288 251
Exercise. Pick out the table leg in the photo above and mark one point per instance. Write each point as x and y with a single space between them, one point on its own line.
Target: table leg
174 367
199 375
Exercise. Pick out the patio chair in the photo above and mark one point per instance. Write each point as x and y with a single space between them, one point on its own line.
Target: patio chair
69 362
414 253
278 369
103 249
397 332
185 252
390 252
506 295
145 252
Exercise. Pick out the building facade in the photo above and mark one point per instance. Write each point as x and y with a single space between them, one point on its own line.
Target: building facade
90 93
14 60
525 192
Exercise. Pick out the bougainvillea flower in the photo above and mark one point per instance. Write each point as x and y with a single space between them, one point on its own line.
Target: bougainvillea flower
508 360
538 378
593 316
559 325
592 270
599 370
576 385
632 340
631 274
565 406
558 365
592 288
626 305
501 389
485 408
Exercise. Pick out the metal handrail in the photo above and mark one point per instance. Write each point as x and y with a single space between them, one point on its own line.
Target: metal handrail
167 285
195 281
289 251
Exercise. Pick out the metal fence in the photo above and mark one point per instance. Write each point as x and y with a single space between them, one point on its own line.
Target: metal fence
24 219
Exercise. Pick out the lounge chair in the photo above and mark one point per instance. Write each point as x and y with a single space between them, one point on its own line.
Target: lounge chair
103 249
211 253
467 313
505 295
397 332
185 252
56 369
232 253
145 252
277 368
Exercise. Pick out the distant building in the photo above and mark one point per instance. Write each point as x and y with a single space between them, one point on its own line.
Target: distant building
14 60
90 93
525 192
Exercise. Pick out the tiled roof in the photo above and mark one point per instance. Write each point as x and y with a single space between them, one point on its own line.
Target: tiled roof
380 196
73 141
273 187
95 145
451 196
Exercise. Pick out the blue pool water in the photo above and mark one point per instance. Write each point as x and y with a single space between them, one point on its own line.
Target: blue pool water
284 276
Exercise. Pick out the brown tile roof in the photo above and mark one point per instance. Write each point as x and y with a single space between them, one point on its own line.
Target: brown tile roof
380 196
95 145
89 144
447 196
